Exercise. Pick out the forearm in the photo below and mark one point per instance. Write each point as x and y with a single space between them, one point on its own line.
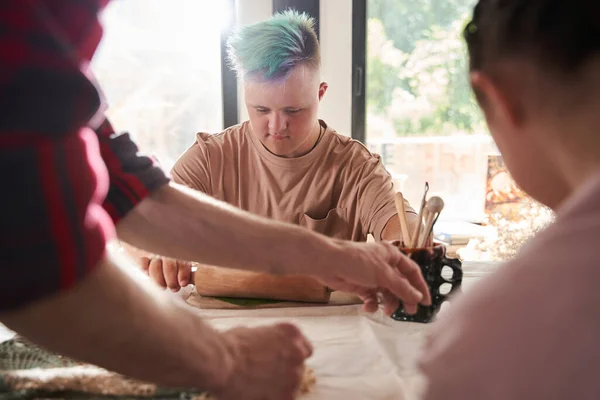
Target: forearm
393 230
125 326
180 223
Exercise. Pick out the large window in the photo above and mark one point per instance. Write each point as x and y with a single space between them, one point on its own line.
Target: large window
422 119
159 66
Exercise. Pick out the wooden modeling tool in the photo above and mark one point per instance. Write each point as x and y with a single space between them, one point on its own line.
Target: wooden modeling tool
399 200
416 233
435 205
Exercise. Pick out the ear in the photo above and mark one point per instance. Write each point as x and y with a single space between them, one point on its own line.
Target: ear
322 89
498 102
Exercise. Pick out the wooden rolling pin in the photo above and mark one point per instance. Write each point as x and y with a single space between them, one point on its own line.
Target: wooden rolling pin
225 282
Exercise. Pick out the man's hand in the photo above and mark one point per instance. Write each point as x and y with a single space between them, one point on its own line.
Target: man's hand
267 363
377 272
167 272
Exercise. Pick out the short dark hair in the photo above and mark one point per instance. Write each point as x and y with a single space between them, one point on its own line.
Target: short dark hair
557 34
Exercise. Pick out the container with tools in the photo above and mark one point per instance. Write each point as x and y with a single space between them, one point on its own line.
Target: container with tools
443 275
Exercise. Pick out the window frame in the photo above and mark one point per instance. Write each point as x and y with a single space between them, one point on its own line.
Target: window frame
229 89
359 70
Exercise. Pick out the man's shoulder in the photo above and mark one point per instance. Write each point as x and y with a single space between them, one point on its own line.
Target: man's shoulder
349 149
230 138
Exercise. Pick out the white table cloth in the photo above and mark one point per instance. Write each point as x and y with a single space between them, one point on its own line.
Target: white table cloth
357 355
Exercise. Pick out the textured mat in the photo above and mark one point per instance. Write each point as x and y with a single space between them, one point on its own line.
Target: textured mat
29 372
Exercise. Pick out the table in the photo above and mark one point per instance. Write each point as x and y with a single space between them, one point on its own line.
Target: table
357 355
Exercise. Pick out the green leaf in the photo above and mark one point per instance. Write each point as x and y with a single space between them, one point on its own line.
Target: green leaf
247 302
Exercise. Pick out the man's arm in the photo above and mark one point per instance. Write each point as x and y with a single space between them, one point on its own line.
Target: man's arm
392 230
377 205
132 328
129 327
182 223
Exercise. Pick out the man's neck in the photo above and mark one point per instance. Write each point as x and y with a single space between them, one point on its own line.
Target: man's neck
310 143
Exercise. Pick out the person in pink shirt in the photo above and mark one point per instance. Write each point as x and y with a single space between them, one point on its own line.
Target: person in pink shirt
532 330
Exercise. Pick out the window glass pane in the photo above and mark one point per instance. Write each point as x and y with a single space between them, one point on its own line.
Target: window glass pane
424 122
159 66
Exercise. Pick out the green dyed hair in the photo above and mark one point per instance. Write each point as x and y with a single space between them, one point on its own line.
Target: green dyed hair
270 49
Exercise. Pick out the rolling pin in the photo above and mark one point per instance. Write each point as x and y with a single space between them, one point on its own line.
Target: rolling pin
225 282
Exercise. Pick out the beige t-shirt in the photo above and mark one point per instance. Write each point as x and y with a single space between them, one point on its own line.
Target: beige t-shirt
339 189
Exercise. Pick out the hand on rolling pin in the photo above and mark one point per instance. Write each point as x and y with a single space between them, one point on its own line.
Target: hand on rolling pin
267 363
167 272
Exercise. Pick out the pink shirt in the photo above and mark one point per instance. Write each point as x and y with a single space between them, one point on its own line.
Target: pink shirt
531 330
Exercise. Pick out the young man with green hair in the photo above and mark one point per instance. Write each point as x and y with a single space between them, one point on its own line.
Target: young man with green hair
285 163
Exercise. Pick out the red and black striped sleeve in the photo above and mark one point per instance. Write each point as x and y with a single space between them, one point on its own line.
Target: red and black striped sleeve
133 176
59 175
